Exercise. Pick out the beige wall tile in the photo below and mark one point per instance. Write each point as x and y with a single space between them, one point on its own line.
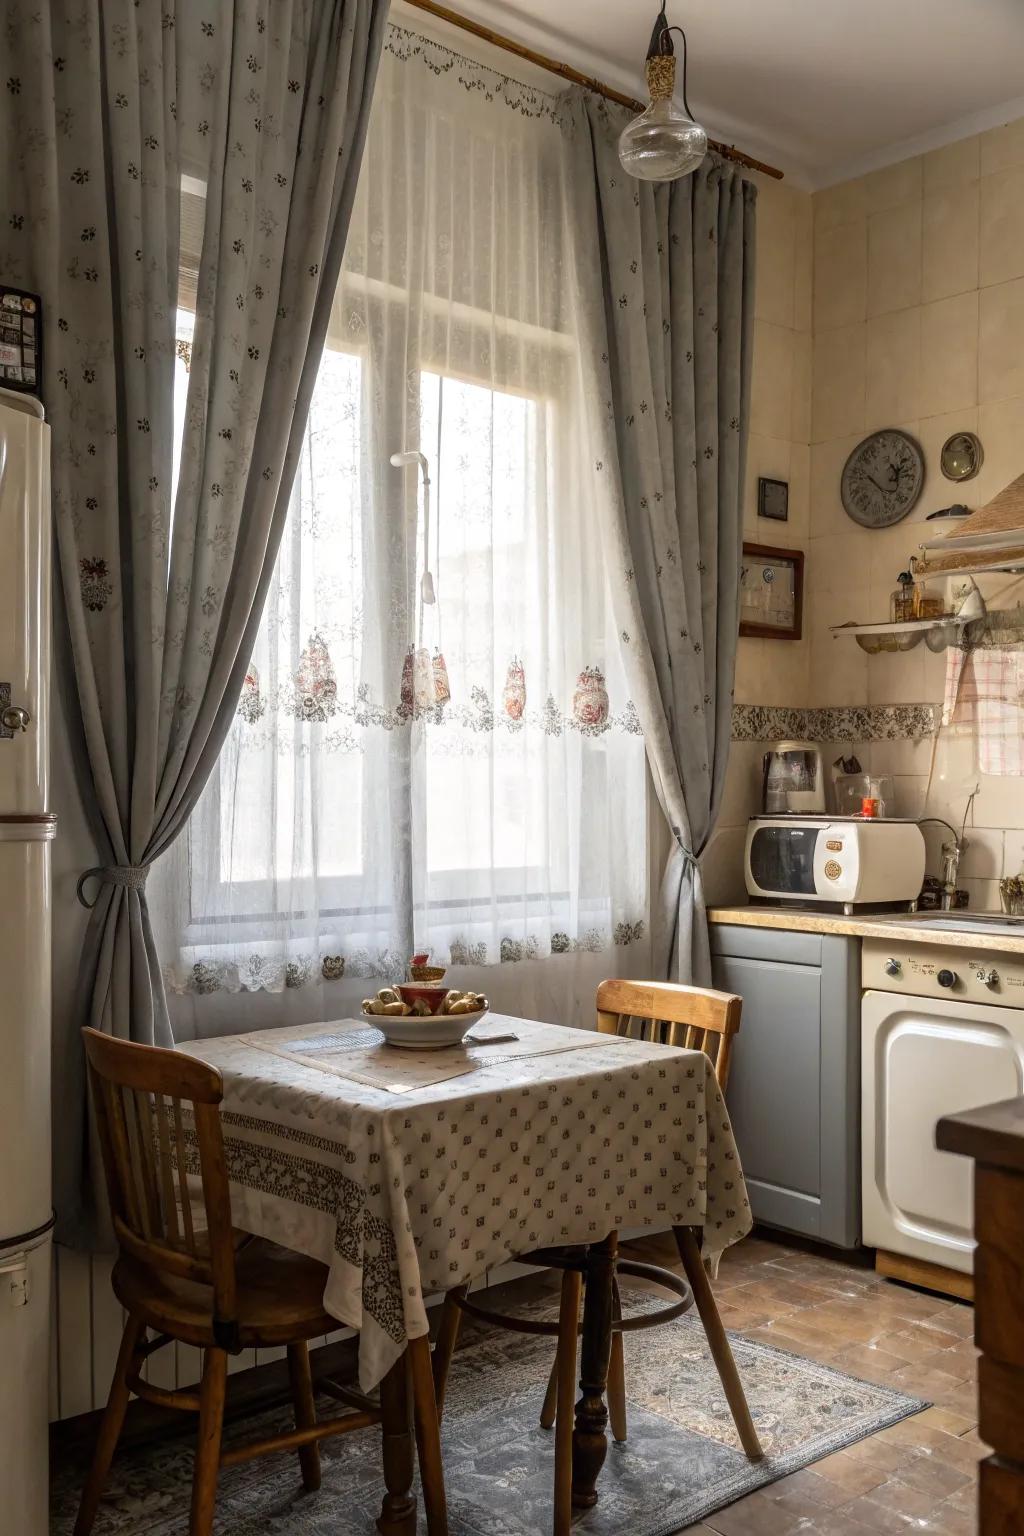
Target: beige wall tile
1013 852
1001 251
1000 801
983 854
894 259
953 164
949 241
800 422
1001 341
750 671
800 492
1001 430
841 564
949 354
838 382
837 665
1002 146
776 257
893 185
896 677
772 384
803 267
893 367
842 204
840 276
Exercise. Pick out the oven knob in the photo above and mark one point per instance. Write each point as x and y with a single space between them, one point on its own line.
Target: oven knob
893 968
946 978
990 978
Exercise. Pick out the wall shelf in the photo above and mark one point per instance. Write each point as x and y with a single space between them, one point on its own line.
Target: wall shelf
893 637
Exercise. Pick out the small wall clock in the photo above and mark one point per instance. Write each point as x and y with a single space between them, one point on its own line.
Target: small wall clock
882 479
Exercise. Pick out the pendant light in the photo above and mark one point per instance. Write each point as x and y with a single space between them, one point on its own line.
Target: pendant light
663 143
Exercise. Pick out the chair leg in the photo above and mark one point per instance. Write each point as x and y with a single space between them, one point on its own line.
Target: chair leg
428 1439
617 1374
110 1427
211 1423
305 1412
703 1295
565 1362
447 1335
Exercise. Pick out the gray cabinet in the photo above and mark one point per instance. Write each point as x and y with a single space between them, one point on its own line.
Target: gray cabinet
794 1086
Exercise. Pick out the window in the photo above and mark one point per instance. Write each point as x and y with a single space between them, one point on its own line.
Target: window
464 776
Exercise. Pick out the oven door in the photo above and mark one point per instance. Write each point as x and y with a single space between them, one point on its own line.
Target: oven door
780 859
923 1058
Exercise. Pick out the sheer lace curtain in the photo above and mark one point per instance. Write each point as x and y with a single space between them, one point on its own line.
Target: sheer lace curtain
465 776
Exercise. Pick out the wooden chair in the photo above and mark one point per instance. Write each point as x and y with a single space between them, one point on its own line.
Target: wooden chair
695 1018
183 1272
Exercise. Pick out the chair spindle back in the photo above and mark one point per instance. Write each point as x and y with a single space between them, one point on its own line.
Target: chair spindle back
695 1018
158 1119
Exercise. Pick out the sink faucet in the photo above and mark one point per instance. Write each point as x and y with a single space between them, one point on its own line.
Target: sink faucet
952 852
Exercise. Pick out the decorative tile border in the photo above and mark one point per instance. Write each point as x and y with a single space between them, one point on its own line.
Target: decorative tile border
852 722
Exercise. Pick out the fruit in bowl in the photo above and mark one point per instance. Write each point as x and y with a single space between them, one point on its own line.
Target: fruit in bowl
416 1024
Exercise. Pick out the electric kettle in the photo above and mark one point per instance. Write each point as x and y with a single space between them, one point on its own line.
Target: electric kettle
793 780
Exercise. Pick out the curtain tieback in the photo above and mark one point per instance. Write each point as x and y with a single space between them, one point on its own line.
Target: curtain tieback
131 876
688 854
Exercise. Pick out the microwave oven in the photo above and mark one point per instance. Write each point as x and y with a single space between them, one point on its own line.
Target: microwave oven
850 861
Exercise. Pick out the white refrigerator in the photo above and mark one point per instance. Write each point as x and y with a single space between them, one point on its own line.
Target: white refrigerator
26 831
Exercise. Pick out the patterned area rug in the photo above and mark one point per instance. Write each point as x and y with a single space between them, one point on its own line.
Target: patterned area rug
682 1459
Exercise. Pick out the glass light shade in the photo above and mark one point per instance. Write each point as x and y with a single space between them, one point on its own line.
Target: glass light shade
662 144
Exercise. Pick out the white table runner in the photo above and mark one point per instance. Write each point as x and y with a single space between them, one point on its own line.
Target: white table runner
359 1051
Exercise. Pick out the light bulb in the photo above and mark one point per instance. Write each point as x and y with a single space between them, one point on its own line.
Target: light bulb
662 144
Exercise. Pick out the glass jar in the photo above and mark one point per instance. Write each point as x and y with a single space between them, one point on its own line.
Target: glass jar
901 603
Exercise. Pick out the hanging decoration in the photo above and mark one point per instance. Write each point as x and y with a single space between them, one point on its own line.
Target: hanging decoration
316 689
251 705
663 143
514 696
442 690
590 701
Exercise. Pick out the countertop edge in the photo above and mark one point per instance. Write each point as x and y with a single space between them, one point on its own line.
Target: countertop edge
863 928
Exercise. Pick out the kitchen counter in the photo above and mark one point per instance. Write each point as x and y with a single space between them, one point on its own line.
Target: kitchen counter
873 926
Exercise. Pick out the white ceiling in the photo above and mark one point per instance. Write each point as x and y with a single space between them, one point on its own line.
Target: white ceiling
822 88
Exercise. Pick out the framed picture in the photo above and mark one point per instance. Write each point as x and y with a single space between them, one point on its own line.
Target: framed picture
773 499
771 592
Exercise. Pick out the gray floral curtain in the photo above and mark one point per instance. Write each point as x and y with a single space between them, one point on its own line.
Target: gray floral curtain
666 285
112 112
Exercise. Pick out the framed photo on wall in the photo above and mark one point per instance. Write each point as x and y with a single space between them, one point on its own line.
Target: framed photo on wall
773 499
771 592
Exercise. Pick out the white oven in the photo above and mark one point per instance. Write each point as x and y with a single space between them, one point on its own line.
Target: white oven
942 1031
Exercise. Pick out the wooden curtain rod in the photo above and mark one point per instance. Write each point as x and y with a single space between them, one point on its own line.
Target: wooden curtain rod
566 71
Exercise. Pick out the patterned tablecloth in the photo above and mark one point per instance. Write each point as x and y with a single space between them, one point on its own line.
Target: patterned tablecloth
406 1195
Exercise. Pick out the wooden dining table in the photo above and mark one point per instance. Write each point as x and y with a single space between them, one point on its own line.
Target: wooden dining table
408 1173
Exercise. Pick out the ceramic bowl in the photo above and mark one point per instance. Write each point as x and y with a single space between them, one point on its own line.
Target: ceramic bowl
425 1034
414 991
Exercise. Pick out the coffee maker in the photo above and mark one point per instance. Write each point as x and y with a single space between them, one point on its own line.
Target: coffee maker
793 780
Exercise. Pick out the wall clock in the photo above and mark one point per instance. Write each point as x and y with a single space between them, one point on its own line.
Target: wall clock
882 479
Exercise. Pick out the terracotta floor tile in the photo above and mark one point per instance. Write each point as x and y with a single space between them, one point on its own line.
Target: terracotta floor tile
917 1477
